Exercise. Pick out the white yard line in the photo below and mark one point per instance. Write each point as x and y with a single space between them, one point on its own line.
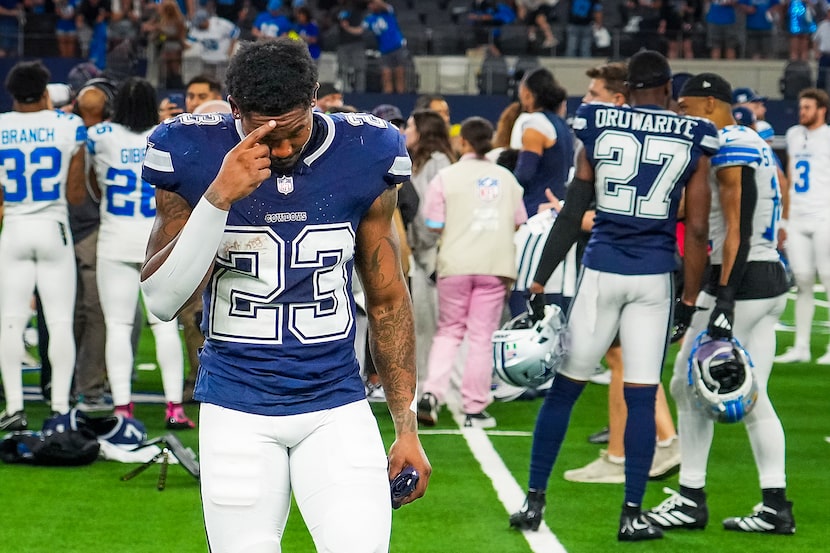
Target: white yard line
509 492
458 432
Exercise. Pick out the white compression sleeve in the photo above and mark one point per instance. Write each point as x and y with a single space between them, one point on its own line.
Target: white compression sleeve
172 284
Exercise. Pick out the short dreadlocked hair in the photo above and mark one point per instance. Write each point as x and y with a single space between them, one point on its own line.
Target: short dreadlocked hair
272 78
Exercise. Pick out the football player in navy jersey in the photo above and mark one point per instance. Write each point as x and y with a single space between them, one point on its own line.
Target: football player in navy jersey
271 207
636 162
745 289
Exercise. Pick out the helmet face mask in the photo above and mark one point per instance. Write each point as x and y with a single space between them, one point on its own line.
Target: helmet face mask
721 378
528 354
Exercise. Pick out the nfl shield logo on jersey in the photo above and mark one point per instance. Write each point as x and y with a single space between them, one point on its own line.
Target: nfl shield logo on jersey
488 189
285 184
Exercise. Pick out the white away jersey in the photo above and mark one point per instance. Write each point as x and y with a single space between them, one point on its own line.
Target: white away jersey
128 203
35 151
216 39
808 153
742 146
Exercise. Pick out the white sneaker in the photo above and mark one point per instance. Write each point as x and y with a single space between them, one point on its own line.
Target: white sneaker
599 471
794 355
824 359
479 420
375 393
665 460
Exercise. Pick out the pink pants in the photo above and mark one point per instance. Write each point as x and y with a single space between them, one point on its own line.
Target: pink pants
468 305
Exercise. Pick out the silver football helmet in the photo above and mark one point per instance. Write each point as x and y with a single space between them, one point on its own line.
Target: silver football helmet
721 377
528 354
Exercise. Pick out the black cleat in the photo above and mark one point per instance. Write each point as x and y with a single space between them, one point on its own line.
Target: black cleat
636 527
428 409
765 519
678 511
15 421
530 517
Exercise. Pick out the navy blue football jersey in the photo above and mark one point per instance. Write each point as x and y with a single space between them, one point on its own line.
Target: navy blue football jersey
279 315
642 158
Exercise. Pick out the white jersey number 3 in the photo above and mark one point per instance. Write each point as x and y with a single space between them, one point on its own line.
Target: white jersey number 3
619 156
252 264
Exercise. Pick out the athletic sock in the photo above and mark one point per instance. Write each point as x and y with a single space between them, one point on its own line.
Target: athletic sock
551 425
640 430
775 497
698 495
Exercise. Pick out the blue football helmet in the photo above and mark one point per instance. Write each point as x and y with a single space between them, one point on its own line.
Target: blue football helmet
721 377
528 354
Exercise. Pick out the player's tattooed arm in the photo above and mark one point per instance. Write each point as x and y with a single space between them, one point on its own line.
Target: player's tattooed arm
172 212
378 262
391 333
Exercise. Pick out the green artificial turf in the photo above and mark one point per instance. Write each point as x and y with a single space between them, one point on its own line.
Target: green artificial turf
90 510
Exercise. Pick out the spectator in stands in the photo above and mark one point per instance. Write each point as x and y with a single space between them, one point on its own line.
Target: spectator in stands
822 44
351 51
394 57
92 16
10 11
651 26
308 30
486 16
801 25
271 23
232 10
671 27
217 37
536 14
722 31
759 27
583 17
168 35
65 28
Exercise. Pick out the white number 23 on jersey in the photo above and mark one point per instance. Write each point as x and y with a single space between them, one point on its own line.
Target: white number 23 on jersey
250 276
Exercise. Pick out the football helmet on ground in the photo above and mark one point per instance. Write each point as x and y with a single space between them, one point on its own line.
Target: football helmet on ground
721 377
527 353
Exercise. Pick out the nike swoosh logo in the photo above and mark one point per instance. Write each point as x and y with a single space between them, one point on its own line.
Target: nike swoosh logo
728 140
638 524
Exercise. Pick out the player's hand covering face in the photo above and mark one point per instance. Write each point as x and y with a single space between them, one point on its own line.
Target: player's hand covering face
288 139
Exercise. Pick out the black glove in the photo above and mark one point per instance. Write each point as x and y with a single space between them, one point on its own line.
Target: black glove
535 307
722 319
682 319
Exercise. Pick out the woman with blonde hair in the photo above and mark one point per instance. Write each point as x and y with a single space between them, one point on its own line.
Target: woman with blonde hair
168 32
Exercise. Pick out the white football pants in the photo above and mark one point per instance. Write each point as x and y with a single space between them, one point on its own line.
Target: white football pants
333 461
